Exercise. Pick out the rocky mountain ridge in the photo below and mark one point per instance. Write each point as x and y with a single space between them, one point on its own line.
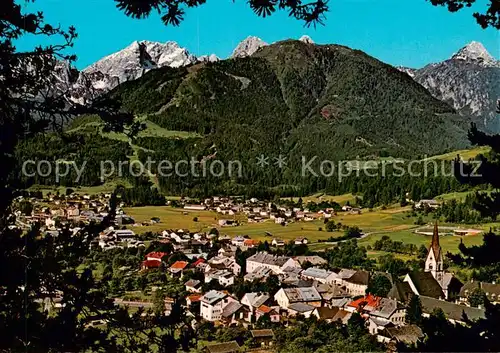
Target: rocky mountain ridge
469 81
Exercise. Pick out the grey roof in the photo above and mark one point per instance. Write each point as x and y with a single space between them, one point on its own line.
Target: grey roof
332 291
213 297
401 291
386 308
226 347
408 334
381 322
257 299
301 307
314 260
346 273
260 272
292 269
231 308
340 302
426 284
302 294
317 273
192 283
451 310
268 259
492 290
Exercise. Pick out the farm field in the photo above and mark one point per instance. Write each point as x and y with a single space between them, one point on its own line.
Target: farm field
449 243
340 199
392 222
175 218
464 154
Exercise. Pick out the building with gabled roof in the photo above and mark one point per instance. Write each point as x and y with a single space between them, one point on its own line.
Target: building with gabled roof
226 347
272 262
213 303
255 300
308 295
424 283
491 290
454 312
178 267
319 274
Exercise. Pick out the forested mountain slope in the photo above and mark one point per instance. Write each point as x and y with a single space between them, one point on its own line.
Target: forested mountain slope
299 99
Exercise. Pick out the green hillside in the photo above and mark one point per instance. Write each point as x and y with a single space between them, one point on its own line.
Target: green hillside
300 98
291 99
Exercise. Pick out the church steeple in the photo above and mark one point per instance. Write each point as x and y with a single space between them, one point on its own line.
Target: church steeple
435 241
434 261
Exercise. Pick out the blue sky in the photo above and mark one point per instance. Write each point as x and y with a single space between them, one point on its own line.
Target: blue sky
400 32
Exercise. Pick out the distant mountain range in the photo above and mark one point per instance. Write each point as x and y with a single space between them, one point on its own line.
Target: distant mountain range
300 99
469 81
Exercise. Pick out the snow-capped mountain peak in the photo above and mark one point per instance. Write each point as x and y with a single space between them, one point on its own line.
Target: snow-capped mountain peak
475 51
306 39
209 58
248 46
407 70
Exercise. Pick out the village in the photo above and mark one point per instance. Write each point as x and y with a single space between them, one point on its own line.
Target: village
210 266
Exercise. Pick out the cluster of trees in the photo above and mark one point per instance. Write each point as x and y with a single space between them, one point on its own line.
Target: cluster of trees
348 255
87 151
312 336
482 259
386 244
455 211
142 193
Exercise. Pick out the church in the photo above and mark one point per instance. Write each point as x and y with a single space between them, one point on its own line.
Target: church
434 282
434 263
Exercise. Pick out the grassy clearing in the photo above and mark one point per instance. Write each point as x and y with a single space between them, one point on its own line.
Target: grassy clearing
393 222
152 130
107 187
174 218
340 199
448 243
464 154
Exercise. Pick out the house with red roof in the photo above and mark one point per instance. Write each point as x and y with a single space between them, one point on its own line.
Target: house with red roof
178 267
266 310
153 260
380 312
155 256
251 243
149 264
192 299
197 262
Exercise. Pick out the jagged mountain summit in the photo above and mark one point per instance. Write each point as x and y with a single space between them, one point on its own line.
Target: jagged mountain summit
469 81
125 65
208 58
476 52
248 47
137 59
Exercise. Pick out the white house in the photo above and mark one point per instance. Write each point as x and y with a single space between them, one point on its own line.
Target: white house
272 262
212 304
320 275
254 300
306 295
